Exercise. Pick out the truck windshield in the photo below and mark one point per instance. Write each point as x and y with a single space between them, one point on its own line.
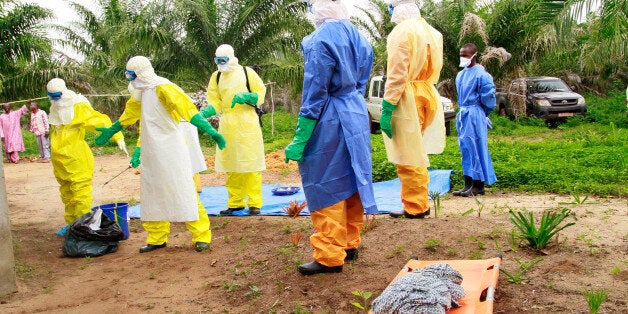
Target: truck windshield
547 86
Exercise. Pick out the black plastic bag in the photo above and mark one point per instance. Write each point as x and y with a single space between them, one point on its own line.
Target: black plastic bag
109 230
81 240
77 247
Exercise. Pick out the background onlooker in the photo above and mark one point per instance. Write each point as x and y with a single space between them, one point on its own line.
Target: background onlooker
11 132
40 127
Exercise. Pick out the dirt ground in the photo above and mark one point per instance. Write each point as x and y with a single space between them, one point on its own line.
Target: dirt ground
252 265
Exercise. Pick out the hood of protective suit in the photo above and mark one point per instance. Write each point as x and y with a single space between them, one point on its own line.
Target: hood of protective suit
146 77
62 110
404 10
225 50
328 10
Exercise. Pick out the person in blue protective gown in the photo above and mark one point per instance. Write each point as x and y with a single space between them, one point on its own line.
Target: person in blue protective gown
332 142
476 99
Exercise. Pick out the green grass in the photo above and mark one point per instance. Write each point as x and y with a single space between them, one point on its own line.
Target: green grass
585 155
577 156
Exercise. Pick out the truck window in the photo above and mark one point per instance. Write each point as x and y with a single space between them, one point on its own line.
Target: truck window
545 86
375 89
381 89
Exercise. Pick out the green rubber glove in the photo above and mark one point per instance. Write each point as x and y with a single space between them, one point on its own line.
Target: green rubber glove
305 127
384 121
209 111
199 122
135 160
244 98
107 133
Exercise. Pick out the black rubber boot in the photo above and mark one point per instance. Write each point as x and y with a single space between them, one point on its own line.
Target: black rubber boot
313 268
476 189
352 254
254 211
151 247
229 211
201 246
407 215
468 183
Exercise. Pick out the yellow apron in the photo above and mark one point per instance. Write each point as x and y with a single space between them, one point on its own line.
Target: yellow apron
414 62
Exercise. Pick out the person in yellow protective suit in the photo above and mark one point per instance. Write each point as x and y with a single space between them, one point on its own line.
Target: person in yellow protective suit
234 90
412 121
167 188
197 158
72 160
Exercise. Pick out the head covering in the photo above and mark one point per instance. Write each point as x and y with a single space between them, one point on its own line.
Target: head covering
146 77
328 10
62 110
404 10
225 50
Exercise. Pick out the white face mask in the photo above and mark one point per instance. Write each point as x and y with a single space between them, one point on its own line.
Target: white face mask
465 62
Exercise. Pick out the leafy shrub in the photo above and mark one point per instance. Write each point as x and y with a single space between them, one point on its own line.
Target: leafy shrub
539 237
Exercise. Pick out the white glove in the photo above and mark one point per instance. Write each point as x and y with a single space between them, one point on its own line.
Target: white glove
122 146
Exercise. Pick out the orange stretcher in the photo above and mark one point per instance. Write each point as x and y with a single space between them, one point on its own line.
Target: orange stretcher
479 280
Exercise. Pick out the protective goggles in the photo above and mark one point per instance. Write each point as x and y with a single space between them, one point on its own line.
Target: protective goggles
55 96
390 9
221 60
130 75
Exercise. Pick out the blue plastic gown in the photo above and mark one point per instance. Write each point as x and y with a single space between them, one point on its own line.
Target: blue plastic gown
476 99
337 158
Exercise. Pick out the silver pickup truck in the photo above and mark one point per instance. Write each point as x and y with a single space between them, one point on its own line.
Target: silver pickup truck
374 104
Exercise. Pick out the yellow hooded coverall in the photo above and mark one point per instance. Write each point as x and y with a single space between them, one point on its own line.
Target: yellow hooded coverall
415 58
72 159
243 159
179 106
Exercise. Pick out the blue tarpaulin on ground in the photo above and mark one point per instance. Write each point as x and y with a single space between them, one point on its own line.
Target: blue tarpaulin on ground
387 197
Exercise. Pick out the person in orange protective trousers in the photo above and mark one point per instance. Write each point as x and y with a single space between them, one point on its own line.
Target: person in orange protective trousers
412 120
167 188
332 142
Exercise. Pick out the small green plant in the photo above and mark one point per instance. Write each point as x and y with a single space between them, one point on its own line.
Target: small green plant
286 229
615 271
300 309
86 262
254 292
244 242
480 204
149 306
468 212
370 224
431 244
514 241
220 225
398 249
477 254
516 277
435 196
22 269
548 226
151 276
364 304
595 298
577 199
231 286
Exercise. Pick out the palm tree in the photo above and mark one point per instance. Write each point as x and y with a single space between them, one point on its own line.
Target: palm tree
24 48
376 26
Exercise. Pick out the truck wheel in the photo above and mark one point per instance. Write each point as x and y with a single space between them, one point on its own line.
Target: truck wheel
502 110
374 125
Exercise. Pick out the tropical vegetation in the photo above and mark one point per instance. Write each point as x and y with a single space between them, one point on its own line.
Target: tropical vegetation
582 41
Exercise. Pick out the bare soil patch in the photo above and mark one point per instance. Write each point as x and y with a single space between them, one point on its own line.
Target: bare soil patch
252 266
